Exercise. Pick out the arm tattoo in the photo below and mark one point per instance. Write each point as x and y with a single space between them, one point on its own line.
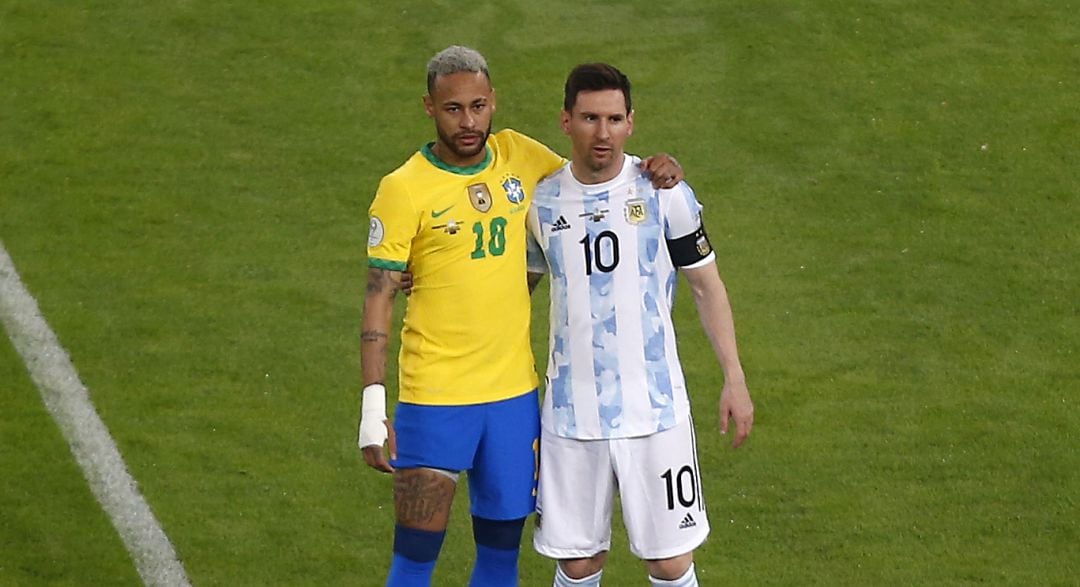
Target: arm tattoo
379 280
372 335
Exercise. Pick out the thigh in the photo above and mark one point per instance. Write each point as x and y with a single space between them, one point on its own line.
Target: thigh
422 498
660 488
502 480
575 499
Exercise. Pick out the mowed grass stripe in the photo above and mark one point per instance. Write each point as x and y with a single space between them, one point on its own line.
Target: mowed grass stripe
68 400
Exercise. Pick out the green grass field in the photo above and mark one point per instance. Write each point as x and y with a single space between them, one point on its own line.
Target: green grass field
893 189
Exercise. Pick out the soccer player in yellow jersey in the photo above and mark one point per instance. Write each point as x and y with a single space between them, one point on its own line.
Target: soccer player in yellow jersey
454 215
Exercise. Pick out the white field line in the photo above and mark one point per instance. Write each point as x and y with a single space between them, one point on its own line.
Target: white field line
68 400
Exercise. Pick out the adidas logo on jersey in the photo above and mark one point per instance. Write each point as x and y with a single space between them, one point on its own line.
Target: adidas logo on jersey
560 224
687 522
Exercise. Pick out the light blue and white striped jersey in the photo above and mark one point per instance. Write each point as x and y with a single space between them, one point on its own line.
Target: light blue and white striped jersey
613 369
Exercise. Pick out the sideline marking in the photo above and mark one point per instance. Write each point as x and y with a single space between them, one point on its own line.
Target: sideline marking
68 401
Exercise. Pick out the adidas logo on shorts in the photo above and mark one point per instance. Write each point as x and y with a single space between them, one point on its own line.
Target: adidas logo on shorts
687 522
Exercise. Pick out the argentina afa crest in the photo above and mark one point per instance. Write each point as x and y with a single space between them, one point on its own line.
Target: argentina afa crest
636 212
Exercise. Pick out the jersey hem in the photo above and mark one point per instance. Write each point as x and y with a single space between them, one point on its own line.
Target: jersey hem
410 398
552 428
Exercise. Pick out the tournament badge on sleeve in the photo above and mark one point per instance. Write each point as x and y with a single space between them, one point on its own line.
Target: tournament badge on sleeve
375 232
480 197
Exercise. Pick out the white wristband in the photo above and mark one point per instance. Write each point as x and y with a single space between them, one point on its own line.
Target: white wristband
373 416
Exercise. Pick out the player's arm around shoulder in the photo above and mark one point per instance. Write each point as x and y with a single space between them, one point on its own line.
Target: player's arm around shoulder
663 170
537 154
714 310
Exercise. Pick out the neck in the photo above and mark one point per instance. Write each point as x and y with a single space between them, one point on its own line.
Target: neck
448 156
589 175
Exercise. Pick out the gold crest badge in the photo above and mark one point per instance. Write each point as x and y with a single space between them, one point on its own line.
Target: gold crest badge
480 196
636 212
703 246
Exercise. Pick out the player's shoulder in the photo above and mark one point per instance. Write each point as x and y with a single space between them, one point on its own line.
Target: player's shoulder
509 141
410 167
679 190
509 136
413 169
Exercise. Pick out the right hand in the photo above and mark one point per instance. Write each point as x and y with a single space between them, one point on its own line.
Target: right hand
375 429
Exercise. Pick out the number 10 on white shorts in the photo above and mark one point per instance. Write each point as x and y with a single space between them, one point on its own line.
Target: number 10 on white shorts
659 485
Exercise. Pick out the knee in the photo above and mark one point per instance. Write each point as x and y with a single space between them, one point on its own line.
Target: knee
500 534
579 568
417 545
669 569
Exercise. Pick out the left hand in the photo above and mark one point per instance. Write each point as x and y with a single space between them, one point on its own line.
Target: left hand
735 404
664 171
406 284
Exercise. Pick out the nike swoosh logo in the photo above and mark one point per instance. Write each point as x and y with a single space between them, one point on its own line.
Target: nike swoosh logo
435 214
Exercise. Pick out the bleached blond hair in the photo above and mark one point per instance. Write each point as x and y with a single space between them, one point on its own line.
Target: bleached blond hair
454 59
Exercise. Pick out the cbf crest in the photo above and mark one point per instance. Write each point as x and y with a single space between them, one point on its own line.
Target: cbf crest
514 192
636 211
480 197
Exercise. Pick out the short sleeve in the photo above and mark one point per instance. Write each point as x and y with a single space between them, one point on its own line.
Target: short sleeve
684 230
682 211
392 225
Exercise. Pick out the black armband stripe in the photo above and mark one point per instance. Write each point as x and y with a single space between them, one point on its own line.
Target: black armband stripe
689 249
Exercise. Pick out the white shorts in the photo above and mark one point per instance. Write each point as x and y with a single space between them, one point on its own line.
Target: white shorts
659 485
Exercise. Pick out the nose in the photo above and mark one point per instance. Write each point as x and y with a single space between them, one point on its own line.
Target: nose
468 120
603 130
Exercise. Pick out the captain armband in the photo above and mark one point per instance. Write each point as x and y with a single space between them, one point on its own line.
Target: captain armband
688 250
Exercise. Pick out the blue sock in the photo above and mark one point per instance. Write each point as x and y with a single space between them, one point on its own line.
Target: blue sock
415 552
497 545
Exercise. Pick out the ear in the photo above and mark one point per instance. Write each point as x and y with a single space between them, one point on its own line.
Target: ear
630 123
429 106
564 122
493 101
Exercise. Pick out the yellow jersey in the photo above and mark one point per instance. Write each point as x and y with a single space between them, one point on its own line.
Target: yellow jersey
461 232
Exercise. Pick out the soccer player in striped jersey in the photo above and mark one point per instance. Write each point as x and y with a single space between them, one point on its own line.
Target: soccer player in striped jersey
616 413
454 214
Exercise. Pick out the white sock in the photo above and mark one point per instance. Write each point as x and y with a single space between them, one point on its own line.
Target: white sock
689 579
561 580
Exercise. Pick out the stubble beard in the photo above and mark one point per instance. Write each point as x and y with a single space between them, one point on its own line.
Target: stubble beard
451 143
598 165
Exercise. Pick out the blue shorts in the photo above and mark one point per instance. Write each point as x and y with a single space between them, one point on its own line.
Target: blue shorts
497 444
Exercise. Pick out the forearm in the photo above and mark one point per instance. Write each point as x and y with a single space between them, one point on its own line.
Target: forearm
714 311
375 329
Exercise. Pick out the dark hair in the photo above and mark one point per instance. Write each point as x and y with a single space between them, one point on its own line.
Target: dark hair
591 77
